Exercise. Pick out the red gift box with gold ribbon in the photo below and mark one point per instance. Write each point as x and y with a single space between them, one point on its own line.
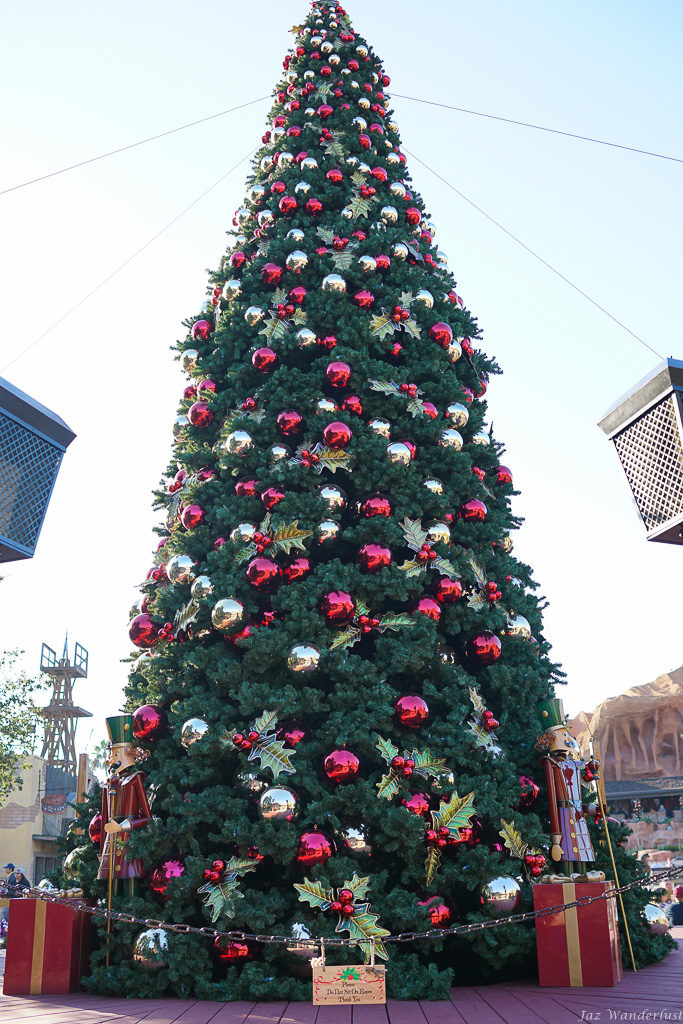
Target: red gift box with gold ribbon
579 946
47 947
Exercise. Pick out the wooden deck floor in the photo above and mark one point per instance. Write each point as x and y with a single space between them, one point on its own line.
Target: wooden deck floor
657 990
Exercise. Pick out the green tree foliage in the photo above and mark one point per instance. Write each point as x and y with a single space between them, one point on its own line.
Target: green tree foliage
19 720
337 190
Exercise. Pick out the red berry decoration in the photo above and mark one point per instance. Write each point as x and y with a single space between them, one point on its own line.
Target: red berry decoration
200 415
162 875
411 711
341 766
373 557
428 606
398 762
314 848
338 374
264 573
149 722
438 911
447 591
473 511
95 828
143 631
348 910
271 497
192 516
484 648
264 359
418 803
441 333
338 607
336 434
289 422
364 299
201 330
298 569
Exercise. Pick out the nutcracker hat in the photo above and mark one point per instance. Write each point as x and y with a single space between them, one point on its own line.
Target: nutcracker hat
551 713
120 729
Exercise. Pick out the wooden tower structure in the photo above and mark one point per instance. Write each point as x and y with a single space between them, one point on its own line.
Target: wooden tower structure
59 746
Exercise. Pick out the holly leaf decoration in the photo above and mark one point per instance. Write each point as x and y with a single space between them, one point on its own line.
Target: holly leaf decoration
266 722
388 786
335 149
263 249
482 737
476 602
432 863
454 814
361 607
313 893
381 326
513 839
275 329
415 407
345 638
220 899
427 765
358 178
287 537
326 235
279 296
358 206
414 534
479 574
387 387
405 299
358 886
363 927
323 91
412 328
342 260
445 567
333 459
477 702
299 317
273 754
386 749
412 568
186 615
395 620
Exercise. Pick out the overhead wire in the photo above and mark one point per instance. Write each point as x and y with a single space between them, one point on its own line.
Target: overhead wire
541 128
125 263
132 145
531 252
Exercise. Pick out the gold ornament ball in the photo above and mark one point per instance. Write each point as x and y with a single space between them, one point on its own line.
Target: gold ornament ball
179 424
451 438
239 442
253 315
458 414
481 438
180 569
655 919
192 731
277 804
505 544
438 532
150 948
297 260
243 533
202 587
303 658
433 485
454 351
380 427
501 895
388 214
399 454
189 359
72 861
328 531
333 497
229 615
518 627
334 283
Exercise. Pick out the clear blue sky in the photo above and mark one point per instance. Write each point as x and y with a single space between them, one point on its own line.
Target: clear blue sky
79 78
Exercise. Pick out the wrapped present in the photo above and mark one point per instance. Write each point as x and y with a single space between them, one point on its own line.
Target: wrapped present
578 947
47 947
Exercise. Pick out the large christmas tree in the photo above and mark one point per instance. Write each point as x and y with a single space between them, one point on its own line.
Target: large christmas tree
348 652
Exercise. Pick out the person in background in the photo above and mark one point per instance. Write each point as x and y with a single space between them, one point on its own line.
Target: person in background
674 911
22 883
9 874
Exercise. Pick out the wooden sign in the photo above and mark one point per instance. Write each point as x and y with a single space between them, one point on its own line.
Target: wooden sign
349 984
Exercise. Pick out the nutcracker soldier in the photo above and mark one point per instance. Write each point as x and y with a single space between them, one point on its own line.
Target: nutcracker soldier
571 850
124 808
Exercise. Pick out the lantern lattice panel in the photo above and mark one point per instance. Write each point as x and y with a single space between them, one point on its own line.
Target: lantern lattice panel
28 467
652 457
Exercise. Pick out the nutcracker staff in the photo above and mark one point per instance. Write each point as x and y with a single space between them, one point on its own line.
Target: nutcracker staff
124 808
571 850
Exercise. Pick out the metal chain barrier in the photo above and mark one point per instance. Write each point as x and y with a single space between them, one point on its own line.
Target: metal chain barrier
432 933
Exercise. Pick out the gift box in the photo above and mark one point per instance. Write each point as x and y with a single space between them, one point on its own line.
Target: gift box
579 946
47 947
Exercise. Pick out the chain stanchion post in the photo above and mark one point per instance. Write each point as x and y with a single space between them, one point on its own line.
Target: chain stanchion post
603 812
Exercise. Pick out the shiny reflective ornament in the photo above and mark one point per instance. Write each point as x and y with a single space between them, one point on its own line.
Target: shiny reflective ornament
341 766
243 216
150 948
250 783
303 658
264 359
380 427
438 912
503 475
253 315
202 587
302 188
297 569
192 731
360 123
356 841
296 235
398 189
502 895
367 264
447 591
264 573
314 848
481 438
334 283
306 338
438 532
149 722
399 453
296 261
484 648
400 251
289 422
239 442
433 485
71 862
473 511
232 950
180 569
451 438
454 351
337 434
326 405
388 214
376 505
655 920
373 557
458 414
364 103
256 193
165 873
441 333
333 496
425 298
338 607
338 374
309 163
265 217
505 544
189 359
411 711
243 533
278 452
529 792
418 803
229 615
95 829
277 804
328 531
231 289
143 631
518 627
179 425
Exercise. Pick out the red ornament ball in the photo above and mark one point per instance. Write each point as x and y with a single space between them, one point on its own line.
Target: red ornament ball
192 516
338 374
292 735
298 569
237 260
528 793
143 631
162 875
503 475
439 913
441 333
338 607
341 766
264 359
484 648
314 848
201 330
428 606
373 557
383 262
264 573
314 206
230 950
247 487
429 409
413 215
289 422
418 803
376 505
447 591
473 511
95 828
364 299
271 273
336 434
334 175
411 711
288 204
297 294
271 497
200 415
353 403
149 722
